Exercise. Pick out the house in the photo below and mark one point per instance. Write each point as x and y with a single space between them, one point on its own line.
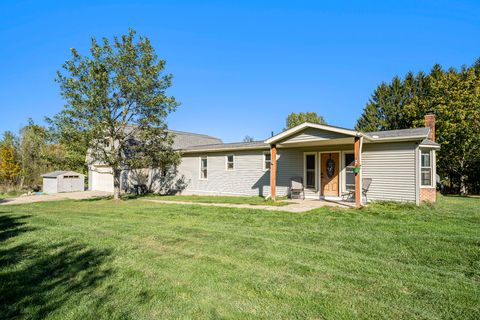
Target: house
63 181
400 164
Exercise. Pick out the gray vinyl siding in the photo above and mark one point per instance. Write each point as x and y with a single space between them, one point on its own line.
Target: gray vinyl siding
391 166
248 177
312 134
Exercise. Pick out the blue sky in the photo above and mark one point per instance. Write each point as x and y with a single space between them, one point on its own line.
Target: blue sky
240 67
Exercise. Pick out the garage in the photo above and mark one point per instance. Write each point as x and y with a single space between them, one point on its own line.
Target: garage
101 179
63 181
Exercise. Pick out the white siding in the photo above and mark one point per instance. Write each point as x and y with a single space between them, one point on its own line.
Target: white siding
392 169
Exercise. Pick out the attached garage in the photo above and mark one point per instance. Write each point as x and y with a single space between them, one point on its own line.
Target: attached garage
63 181
101 178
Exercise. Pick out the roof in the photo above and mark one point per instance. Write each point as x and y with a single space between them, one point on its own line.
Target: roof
376 136
55 174
429 144
254 145
402 133
300 127
183 140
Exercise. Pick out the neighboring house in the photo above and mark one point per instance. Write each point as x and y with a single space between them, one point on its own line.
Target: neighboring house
401 164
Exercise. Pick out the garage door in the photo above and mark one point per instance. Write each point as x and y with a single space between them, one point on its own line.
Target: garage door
102 179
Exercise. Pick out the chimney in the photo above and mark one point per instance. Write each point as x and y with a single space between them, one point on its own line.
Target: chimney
430 123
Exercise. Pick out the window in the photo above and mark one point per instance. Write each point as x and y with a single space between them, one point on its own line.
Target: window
349 175
310 170
426 168
203 168
267 161
71 177
230 162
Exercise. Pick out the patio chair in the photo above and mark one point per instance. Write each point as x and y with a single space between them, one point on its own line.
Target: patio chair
297 188
366 182
350 194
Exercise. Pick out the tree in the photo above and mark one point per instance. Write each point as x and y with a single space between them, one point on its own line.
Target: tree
454 96
117 106
33 152
248 139
294 119
10 168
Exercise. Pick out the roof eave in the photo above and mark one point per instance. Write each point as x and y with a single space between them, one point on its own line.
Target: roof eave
224 149
300 127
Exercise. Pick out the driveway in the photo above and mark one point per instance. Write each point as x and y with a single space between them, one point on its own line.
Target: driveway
55 197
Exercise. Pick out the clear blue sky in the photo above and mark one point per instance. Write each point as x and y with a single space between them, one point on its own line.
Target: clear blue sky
240 67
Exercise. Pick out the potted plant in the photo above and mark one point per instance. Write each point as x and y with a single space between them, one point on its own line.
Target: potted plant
356 169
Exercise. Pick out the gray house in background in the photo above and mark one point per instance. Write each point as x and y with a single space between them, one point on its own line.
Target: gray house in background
63 181
331 161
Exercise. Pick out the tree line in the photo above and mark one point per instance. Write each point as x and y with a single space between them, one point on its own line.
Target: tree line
454 97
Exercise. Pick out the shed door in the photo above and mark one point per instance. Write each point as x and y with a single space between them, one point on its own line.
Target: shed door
329 174
102 179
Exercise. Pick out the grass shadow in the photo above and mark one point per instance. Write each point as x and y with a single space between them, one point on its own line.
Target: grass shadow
36 279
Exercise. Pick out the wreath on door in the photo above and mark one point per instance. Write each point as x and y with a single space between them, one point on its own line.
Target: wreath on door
330 167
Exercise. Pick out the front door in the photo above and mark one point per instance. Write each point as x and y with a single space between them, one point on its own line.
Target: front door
329 176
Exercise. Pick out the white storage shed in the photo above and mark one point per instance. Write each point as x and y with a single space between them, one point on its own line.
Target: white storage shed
63 181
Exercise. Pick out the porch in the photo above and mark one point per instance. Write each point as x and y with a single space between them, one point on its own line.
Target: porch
330 160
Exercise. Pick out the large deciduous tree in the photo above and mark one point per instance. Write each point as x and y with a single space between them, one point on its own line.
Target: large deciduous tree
454 96
294 119
117 106
10 167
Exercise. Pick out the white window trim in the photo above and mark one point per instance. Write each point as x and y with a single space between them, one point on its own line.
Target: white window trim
432 173
226 162
264 160
200 168
305 154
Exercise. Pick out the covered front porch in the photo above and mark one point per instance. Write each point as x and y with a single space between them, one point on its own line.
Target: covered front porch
330 162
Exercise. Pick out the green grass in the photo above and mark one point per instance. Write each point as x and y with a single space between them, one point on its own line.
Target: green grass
223 199
141 260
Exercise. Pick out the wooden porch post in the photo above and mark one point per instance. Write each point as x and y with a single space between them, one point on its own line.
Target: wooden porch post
273 171
358 191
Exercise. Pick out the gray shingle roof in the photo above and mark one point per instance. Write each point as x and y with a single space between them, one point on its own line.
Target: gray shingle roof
427 142
423 131
57 173
184 140
226 146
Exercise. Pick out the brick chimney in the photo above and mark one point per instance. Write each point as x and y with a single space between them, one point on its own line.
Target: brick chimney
430 123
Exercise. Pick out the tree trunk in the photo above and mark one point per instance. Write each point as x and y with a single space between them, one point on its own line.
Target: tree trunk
463 187
116 184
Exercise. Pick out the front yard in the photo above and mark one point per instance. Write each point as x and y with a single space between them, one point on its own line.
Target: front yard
100 259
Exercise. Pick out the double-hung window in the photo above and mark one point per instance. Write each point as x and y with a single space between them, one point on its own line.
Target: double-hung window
426 168
204 167
267 160
230 165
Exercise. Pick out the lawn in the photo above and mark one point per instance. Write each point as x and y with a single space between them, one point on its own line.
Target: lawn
142 260
223 199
